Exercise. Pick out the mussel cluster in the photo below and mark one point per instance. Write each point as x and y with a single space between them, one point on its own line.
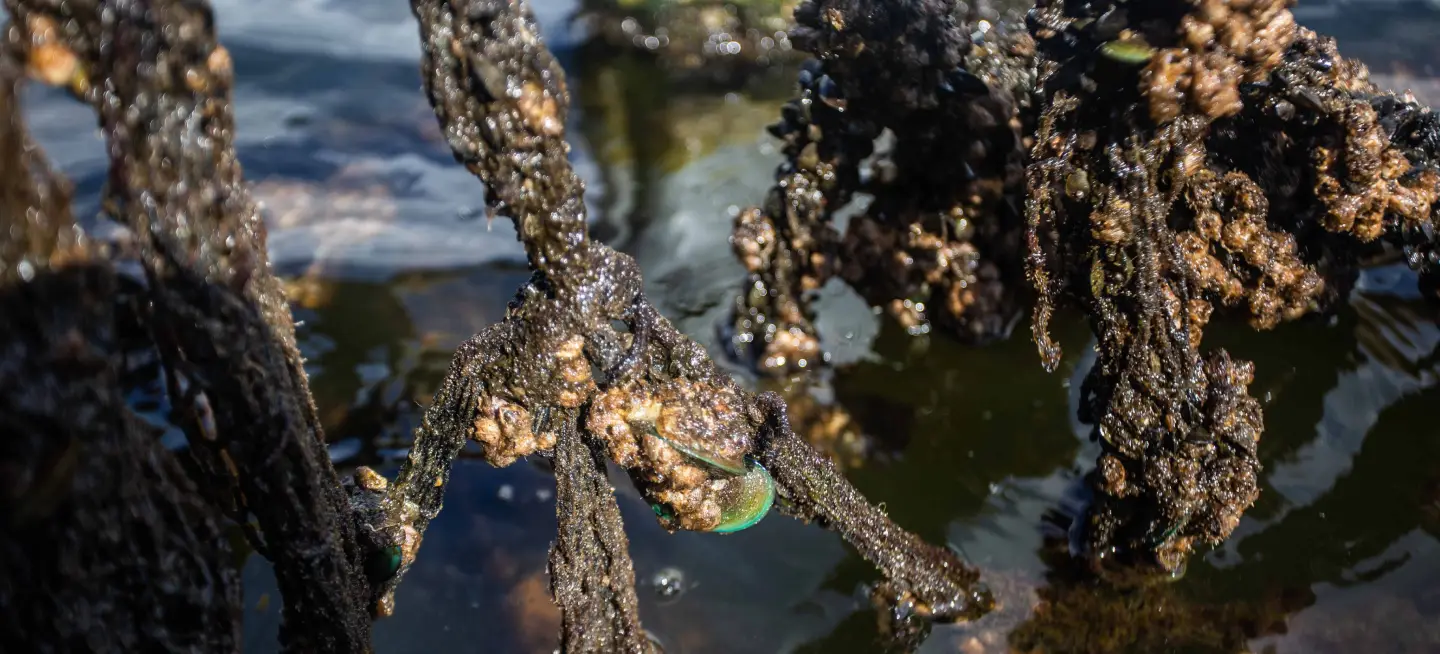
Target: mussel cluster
1148 162
1196 155
936 234
688 443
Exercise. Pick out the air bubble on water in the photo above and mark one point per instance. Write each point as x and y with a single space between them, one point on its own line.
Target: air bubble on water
506 493
669 583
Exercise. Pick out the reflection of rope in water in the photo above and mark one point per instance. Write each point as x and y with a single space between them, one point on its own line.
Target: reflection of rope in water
1397 347
1397 335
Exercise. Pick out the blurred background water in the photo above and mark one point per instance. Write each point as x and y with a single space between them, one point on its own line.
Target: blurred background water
391 263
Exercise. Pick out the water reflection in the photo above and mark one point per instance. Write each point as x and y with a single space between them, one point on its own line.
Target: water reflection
390 268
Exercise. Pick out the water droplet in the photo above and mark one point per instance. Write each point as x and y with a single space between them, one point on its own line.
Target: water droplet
1284 110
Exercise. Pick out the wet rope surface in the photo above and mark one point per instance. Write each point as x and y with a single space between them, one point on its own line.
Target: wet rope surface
160 84
592 578
97 519
583 350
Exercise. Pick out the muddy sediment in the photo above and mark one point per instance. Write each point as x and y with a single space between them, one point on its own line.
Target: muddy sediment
1074 614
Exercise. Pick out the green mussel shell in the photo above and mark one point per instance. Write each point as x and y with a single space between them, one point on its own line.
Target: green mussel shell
746 500
729 465
382 565
1129 52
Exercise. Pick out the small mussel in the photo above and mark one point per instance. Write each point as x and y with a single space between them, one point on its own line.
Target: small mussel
745 500
1127 51
712 459
381 565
